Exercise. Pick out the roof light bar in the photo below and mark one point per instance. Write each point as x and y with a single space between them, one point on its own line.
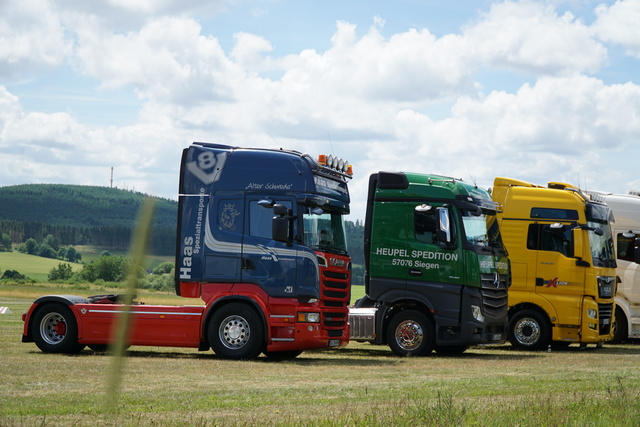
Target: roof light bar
335 163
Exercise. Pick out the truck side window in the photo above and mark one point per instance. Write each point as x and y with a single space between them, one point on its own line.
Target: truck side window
625 247
425 226
544 238
260 219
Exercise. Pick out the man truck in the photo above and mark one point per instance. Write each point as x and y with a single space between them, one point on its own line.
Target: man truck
626 229
563 264
260 240
436 272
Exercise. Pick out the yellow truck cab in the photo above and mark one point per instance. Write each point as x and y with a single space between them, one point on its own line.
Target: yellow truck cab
562 262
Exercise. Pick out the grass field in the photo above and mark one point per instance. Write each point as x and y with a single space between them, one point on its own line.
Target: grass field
32 266
38 268
360 384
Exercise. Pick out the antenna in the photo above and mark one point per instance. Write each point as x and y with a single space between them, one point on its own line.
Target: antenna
330 143
111 176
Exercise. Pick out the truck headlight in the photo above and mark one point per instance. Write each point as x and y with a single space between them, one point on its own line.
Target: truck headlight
477 313
309 317
592 313
606 286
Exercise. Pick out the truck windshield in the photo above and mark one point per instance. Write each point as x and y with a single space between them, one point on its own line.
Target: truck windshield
325 232
601 246
481 230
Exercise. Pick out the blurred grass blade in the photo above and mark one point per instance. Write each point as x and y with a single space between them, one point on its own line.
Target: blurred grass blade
122 323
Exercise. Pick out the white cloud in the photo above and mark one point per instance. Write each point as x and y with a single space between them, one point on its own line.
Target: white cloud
531 37
368 97
31 38
168 60
619 23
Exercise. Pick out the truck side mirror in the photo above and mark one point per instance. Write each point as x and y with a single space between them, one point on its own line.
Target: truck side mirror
281 224
578 242
636 251
444 227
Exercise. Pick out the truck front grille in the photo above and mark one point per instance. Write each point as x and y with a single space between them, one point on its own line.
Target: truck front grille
494 294
335 294
605 313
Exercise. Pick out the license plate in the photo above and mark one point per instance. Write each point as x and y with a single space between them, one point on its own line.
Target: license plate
496 337
605 321
334 343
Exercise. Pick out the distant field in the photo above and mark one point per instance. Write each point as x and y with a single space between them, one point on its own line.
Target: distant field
32 266
91 253
38 268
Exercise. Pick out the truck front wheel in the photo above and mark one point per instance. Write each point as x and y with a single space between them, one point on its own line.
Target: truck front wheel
410 333
529 330
620 327
235 332
54 329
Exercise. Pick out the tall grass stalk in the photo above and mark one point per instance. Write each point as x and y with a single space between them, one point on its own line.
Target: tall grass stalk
122 324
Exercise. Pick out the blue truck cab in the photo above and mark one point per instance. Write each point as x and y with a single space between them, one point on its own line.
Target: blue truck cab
262 230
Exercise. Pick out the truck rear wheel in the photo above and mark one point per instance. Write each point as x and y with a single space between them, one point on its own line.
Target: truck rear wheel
410 333
235 332
529 330
620 327
54 329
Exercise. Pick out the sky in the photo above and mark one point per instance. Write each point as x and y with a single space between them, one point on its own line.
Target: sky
473 89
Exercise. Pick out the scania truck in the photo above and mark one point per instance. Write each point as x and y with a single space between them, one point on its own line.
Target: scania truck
261 242
626 232
436 272
563 264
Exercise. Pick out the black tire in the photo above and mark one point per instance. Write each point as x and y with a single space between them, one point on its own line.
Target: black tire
282 355
410 333
451 350
54 329
529 330
235 332
620 328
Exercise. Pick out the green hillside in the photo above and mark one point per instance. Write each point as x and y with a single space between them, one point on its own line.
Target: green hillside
104 218
74 205
34 267
83 215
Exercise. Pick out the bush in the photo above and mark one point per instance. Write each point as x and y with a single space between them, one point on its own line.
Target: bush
30 246
12 275
47 251
72 255
164 268
62 272
162 282
5 243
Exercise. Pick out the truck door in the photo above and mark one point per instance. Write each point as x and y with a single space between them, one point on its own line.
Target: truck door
389 261
558 278
224 229
270 264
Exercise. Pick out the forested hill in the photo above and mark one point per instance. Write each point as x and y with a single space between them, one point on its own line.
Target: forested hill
100 216
81 215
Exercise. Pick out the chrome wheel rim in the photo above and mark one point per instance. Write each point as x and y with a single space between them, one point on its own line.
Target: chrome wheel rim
53 328
527 331
234 332
409 335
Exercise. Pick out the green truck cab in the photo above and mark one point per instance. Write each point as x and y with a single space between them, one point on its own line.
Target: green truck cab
436 271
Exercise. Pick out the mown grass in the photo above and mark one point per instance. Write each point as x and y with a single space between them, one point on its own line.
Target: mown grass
34 267
357 385
38 268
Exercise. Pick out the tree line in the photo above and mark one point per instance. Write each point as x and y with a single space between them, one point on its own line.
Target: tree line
75 215
83 215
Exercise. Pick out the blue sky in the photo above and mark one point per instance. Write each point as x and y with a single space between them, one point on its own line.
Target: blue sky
535 90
